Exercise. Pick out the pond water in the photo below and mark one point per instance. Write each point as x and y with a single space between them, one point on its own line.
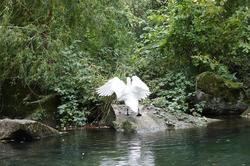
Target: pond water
221 143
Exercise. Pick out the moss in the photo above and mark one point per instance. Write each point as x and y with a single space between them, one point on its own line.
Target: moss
217 86
233 85
128 126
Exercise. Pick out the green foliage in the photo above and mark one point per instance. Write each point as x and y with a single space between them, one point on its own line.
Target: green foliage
39 114
76 84
67 47
172 91
190 37
198 108
72 47
69 112
207 63
186 29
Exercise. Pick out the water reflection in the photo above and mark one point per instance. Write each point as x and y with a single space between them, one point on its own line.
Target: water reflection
129 150
138 155
219 144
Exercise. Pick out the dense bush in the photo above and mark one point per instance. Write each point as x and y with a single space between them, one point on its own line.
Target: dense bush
172 91
184 30
71 47
64 47
190 37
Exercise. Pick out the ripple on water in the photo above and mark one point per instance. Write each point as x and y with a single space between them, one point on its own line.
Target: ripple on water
219 144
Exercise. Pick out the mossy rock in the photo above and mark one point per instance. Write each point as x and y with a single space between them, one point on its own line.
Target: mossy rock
131 123
125 126
128 126
217 86
222 96
150 122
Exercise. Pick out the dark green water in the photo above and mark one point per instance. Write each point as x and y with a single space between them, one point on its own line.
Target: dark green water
222 143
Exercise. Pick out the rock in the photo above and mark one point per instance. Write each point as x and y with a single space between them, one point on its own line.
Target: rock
221 96
24 130
246 114
150 121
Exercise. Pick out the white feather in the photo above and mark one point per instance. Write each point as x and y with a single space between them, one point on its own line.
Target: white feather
130 93
114 85
140 89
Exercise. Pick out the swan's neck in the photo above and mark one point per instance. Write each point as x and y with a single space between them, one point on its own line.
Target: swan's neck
128 81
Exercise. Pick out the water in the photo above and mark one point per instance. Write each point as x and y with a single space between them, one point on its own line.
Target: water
222 143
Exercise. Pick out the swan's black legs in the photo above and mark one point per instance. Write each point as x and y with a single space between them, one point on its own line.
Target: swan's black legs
138 114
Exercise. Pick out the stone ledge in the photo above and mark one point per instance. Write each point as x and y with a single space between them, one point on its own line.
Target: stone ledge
155 119
24 130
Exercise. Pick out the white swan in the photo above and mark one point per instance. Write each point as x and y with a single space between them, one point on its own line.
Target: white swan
130 93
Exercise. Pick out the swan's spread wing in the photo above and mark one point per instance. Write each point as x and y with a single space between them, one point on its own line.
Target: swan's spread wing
139 88
113 85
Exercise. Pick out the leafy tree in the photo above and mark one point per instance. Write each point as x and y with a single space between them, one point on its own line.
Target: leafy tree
190 37
67 47
71 47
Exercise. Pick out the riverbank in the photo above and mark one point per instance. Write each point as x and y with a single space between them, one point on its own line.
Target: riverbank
221 143
155 119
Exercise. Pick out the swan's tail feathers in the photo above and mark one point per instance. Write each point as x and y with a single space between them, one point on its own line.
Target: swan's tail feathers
114 85
133 104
